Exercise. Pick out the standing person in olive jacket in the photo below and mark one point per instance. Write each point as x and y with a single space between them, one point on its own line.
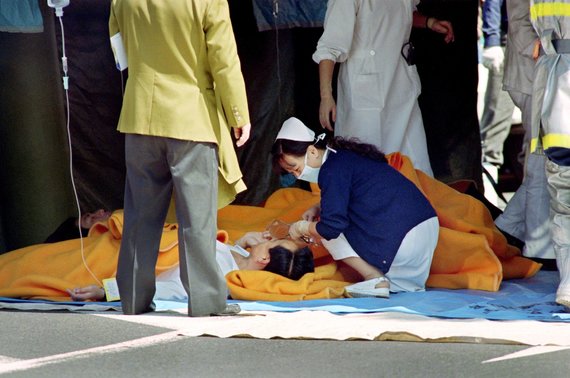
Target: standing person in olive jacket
185 90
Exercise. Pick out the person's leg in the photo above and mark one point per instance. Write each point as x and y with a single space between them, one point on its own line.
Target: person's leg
538 238
496 119
495 126
559 187
410 269
526 216
148 190
512 220
194 168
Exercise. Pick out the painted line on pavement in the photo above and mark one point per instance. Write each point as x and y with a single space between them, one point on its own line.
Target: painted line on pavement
19 365
6 359
528 352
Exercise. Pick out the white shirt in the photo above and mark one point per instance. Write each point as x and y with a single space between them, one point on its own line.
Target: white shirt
377 91
168 283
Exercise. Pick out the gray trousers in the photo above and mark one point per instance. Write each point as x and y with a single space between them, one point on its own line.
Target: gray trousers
496 119
559 187
526 216
157 167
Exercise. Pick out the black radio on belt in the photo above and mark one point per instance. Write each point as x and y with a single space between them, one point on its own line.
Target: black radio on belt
409 53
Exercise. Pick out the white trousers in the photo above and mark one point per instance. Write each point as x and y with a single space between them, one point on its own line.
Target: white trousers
410 269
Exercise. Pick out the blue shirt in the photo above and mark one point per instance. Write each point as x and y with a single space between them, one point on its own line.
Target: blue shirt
372 203
495 22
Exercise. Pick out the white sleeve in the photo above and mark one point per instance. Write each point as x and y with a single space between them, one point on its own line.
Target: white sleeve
169 286
340 21
339 248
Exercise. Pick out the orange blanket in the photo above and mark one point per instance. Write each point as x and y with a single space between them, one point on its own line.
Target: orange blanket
471 252
47 270
257 285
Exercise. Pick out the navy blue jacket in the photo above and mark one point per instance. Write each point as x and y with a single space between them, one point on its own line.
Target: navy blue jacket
373 204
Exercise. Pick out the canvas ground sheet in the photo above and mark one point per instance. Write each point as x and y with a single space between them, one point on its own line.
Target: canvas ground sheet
522 312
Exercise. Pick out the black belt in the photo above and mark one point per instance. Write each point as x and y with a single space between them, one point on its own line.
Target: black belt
562 46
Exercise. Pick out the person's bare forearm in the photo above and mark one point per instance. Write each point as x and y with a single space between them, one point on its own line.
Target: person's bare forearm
327 107
326 69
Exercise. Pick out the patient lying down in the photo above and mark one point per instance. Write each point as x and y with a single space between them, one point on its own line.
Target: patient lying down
281 256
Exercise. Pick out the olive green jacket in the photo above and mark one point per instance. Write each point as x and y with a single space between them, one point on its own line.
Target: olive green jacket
185 79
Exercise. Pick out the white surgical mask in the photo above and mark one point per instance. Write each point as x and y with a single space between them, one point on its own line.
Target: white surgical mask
309 174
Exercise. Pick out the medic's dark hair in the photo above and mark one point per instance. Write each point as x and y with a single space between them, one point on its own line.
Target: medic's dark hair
298 149
353 144
291 147
290 264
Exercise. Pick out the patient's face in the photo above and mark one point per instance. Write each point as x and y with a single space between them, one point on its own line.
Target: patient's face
89 219
259 253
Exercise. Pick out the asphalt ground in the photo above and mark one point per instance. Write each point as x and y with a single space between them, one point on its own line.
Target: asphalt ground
65 344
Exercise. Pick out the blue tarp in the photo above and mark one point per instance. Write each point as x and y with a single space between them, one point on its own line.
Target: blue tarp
528 299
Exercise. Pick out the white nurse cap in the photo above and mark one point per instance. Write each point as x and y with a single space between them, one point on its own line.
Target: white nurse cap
294 129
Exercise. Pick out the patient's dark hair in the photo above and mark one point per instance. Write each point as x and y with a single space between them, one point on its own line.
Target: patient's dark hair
289 264
298 149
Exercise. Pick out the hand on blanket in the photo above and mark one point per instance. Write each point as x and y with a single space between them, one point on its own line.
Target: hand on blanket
92 292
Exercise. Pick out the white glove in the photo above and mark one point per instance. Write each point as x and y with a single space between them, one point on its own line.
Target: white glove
493 58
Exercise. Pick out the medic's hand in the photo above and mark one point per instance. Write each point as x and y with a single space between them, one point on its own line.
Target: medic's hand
299 231
441 27
493 58
327 112
312 214
86 293
242 134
